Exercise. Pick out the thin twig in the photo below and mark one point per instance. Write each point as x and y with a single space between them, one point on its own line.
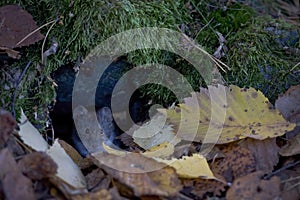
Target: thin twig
43 45
218 62
33 32
282 169
206 25
16 89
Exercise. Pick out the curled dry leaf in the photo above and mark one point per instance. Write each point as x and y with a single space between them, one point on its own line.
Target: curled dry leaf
197 188
37 165
30 135
265 152
253 187
100 194
227 114
292 147
288 104
238 161
67 169
290 182
7 125
141 176
14 184
97 180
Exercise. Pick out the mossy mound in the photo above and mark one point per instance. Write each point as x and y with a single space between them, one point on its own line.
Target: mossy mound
81 25
264 55
258 50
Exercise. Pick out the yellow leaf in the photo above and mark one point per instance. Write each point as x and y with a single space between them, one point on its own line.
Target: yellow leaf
160 151
163 150
227 114
113 151
190 167
153 133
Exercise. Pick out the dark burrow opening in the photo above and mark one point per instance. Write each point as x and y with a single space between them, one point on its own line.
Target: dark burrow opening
61 112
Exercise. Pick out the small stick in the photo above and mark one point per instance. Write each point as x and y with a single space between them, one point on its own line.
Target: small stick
16 89
31 33
281 169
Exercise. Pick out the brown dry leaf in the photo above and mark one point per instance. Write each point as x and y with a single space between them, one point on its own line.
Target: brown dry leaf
232 113
97 180
290 183
141 176
37 165
253 187
67 169
194 166
76 157
238 161
289 104
101 194
15 185
7 125
292 147
17 23
199 187
265 152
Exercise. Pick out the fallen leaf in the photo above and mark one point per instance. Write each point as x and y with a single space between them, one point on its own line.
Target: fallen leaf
17 23
76 157
238 161
153 133
7 125
241 113
100 194
265 153
290 182
199 187
97 180
37 165
190 167
15 185
288 104
30 135
253 187
67 169
139 175
292 147
164 150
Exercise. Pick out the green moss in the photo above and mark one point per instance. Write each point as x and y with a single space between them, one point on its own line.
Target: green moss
259 59
208 18
216 18
253 53
81 26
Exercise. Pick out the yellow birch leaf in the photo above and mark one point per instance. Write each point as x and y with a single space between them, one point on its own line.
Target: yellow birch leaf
153 133
227 114
164 150
113 151
190 166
